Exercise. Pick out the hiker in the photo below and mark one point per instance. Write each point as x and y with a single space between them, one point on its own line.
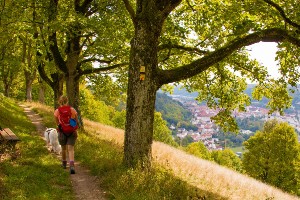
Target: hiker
67 130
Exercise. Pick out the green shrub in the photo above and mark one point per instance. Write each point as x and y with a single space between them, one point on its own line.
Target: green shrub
93 109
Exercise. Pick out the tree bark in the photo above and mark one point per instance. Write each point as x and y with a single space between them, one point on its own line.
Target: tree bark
57 86
56 82
141 92
140 102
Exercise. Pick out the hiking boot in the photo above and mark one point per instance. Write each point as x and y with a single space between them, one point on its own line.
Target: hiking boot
72 170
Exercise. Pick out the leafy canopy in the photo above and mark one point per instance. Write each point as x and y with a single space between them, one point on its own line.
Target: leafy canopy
197 28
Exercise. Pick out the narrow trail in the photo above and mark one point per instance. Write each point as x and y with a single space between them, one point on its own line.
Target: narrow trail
85 186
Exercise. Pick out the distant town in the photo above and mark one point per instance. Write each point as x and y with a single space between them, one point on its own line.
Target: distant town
207 129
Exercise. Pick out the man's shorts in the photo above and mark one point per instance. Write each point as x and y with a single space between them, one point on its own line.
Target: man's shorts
67 139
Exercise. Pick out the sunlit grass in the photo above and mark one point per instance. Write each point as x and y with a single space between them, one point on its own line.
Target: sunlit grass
175 174
209 176
32 173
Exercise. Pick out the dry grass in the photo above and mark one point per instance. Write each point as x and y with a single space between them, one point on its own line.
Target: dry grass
200 173
203 174
209 176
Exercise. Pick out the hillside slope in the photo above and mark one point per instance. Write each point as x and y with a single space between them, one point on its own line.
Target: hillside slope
212 180
173 111
204 175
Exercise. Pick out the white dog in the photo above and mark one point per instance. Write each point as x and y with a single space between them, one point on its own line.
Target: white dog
51 137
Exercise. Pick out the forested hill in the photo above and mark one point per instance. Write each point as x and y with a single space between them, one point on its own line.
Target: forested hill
173 111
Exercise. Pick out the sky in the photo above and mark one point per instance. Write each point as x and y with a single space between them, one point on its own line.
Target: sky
265 53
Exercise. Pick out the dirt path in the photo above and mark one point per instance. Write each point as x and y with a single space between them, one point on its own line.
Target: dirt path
85 186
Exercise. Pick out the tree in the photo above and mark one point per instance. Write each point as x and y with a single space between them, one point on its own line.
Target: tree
67 39
104 88
29 69
10 49
273 156
78 34
227 158
162 52
184 141
161 130
10 67
199 149
94 109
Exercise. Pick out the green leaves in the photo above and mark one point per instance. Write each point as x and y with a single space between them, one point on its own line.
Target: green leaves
227 158
161 130
225 120
278 94
198 149
273 156
210 25
94 109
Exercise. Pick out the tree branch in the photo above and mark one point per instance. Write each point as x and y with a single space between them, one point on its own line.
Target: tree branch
166 6
102 69
202 64
58 59
130 11
43 74
175 46
281 11
49 55
189 4
94 60
83 8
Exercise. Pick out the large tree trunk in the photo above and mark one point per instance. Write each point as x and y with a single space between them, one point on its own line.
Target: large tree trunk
72 85
148 21
141 96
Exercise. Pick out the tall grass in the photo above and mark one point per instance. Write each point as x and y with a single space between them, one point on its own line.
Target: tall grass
210 180
32 173
175 174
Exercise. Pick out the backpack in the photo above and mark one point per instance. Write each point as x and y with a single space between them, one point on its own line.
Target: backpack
66 123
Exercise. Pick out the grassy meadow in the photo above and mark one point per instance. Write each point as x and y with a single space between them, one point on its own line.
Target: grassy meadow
175 174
